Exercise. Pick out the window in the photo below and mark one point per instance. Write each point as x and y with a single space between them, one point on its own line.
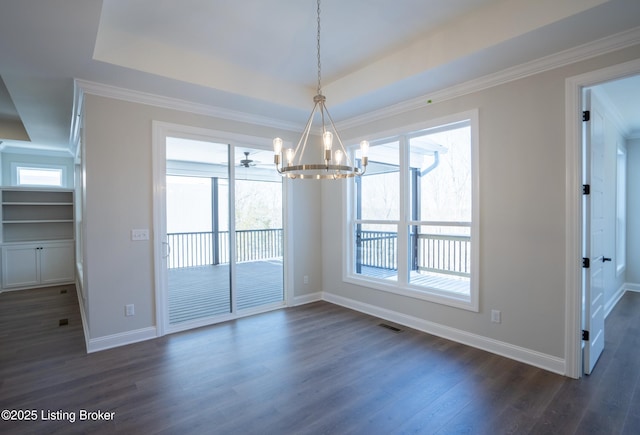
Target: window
39 176
412 218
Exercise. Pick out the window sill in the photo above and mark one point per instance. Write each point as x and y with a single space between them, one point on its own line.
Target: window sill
464 302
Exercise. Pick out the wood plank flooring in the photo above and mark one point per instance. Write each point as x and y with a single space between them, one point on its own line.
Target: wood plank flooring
313 369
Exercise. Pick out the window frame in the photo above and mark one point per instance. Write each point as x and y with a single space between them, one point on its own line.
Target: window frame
401 286
17 166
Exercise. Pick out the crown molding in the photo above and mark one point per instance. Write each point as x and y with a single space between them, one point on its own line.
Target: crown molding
132 96
583 52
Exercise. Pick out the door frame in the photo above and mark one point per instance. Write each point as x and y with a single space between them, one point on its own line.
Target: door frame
160 130
573 204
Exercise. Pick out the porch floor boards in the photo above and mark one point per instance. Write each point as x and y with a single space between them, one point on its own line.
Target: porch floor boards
204 291
424 279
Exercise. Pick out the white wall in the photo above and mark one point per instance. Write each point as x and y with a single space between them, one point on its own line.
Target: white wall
633 213
522 215
119 197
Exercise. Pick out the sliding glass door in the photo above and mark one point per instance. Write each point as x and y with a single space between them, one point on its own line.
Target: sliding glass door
223 245
259 235
197 222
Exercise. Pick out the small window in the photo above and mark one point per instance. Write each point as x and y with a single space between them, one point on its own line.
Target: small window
30 176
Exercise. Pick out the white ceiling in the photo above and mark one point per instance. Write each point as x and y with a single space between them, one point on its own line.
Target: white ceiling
258 57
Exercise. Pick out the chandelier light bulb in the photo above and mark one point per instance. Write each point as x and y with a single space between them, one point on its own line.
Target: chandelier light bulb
277 145
327 139
290 155
364 148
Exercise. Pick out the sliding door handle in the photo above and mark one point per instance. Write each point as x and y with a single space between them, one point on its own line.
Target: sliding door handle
167 250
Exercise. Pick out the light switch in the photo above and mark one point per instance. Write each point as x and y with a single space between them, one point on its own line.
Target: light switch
140 234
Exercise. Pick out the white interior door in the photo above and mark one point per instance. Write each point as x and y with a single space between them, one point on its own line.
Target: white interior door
593 303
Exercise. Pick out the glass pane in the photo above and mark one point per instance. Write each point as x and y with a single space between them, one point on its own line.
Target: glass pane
441 257
440 171
259 233
188 193
380 186
441 188
376 251
39 177
197 201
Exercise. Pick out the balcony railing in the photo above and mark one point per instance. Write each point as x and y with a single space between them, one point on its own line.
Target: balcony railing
197 248
448 254
440 253
377 249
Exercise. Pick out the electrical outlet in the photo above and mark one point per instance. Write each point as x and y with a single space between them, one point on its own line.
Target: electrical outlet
496 316
306 279
129 310
140 234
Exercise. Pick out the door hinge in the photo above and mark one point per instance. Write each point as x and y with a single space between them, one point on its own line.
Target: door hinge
586 115
585 335
586 189
585 263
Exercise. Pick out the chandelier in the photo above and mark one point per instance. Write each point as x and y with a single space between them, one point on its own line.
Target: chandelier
329 163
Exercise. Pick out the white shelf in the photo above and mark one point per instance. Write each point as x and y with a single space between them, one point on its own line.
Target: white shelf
36 203
29 215
37 221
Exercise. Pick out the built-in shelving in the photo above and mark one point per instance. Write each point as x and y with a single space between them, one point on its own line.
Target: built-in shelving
36 215
36 237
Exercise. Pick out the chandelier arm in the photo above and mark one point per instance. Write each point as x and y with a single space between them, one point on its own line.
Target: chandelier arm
344 150
305 134
323 109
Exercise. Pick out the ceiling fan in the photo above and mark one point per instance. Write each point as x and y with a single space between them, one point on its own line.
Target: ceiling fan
247 162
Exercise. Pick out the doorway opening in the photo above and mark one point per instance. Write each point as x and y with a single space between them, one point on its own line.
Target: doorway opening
581 303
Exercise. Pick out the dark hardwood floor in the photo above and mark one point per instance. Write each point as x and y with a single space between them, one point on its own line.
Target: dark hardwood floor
314 369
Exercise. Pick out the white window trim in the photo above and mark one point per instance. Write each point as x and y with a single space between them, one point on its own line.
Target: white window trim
621 209
16 165
401 287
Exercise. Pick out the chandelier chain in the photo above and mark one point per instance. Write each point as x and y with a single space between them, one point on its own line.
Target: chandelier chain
318 47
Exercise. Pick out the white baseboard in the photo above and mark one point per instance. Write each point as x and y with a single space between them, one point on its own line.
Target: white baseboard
121 339
632 287
83 315
527 356
307 299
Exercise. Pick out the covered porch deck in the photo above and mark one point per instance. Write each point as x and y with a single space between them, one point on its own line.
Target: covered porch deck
204 291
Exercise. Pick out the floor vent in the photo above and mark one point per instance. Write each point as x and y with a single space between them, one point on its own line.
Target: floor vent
391 328
63 322
63 291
